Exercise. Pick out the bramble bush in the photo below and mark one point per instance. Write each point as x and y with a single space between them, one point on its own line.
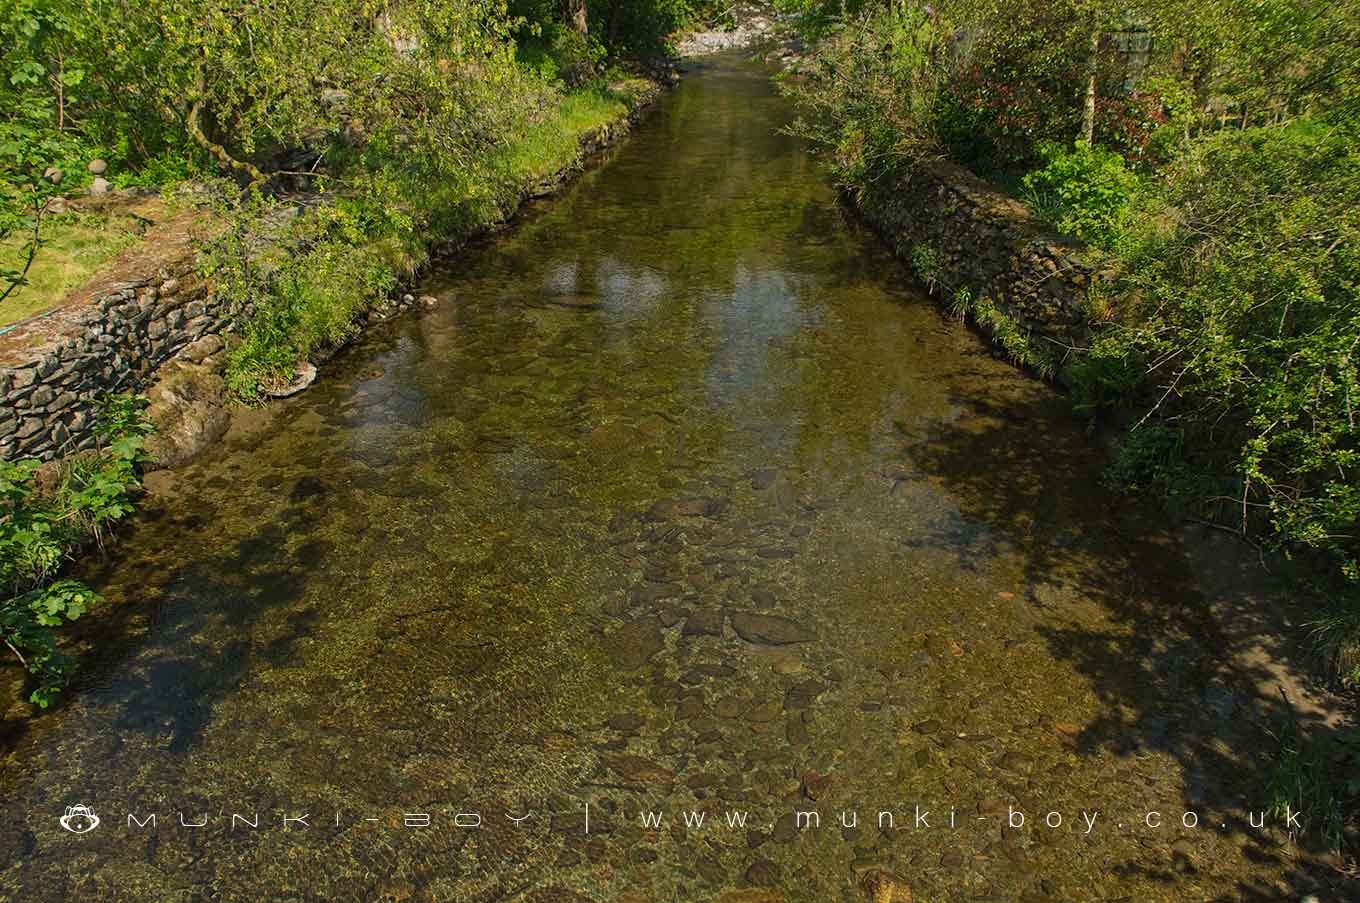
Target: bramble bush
1241 272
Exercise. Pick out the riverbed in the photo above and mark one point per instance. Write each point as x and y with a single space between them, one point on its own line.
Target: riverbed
684 503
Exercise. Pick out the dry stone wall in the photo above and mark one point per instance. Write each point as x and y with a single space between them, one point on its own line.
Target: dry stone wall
48 402
970 241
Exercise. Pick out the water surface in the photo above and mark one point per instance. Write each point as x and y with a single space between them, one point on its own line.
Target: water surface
684 500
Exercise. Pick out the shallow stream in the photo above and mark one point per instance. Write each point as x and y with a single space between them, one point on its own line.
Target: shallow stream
684 500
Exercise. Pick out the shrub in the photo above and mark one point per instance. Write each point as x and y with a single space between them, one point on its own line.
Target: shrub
40 528
1083 190
868 97
1243 270
304 294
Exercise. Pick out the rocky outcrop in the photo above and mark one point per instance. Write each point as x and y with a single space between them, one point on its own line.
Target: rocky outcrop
189 409
970 242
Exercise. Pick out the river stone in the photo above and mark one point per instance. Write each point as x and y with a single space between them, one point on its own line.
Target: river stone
188 409
750 895
100 185
770 630
648 593
669 615
1016 761
729 707
762 479
306 375
763 873
785 828
689 708
627 722
639 770
633 644
706 622
763 713
941 648
205 347
762 597
98 167
575 302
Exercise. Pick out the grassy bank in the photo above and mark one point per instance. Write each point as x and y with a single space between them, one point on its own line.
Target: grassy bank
305 281
75 246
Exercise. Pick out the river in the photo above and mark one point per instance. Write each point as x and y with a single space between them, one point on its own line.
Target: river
685 501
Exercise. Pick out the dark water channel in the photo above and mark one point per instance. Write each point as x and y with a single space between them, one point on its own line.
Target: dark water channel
684 500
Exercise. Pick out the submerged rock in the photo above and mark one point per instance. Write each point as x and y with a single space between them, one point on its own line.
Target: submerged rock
688 506
188 408
633 644
639 770
770 630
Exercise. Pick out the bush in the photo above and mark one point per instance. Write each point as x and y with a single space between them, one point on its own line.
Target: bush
1083 190
40 529
1242 271
867 99
299 284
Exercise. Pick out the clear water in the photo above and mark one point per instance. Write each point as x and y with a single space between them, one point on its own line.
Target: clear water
494 562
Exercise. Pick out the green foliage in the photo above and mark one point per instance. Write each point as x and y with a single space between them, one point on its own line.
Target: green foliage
32 104
1004 331
44 518
817 18
1083 190
1242 272
867 97
1317 778
297 282
926 265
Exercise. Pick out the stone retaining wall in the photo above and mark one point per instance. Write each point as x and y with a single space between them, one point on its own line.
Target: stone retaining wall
968 241
127 331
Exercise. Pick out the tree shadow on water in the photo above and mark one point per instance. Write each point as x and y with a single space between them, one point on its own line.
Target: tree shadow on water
1186 649
158 661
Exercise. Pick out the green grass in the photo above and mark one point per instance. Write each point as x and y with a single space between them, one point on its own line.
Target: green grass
360 251
555 144
75 245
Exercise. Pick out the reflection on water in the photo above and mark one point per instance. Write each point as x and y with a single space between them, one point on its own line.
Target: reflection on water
682 501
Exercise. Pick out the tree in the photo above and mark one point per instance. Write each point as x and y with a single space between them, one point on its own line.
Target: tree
575 16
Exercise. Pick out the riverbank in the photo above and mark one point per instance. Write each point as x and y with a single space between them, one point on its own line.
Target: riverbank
154 308
1214 364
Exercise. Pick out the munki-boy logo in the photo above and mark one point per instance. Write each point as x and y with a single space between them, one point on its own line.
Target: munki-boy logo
79 819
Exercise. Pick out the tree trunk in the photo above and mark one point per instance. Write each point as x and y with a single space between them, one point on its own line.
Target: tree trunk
1088 113
576 16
